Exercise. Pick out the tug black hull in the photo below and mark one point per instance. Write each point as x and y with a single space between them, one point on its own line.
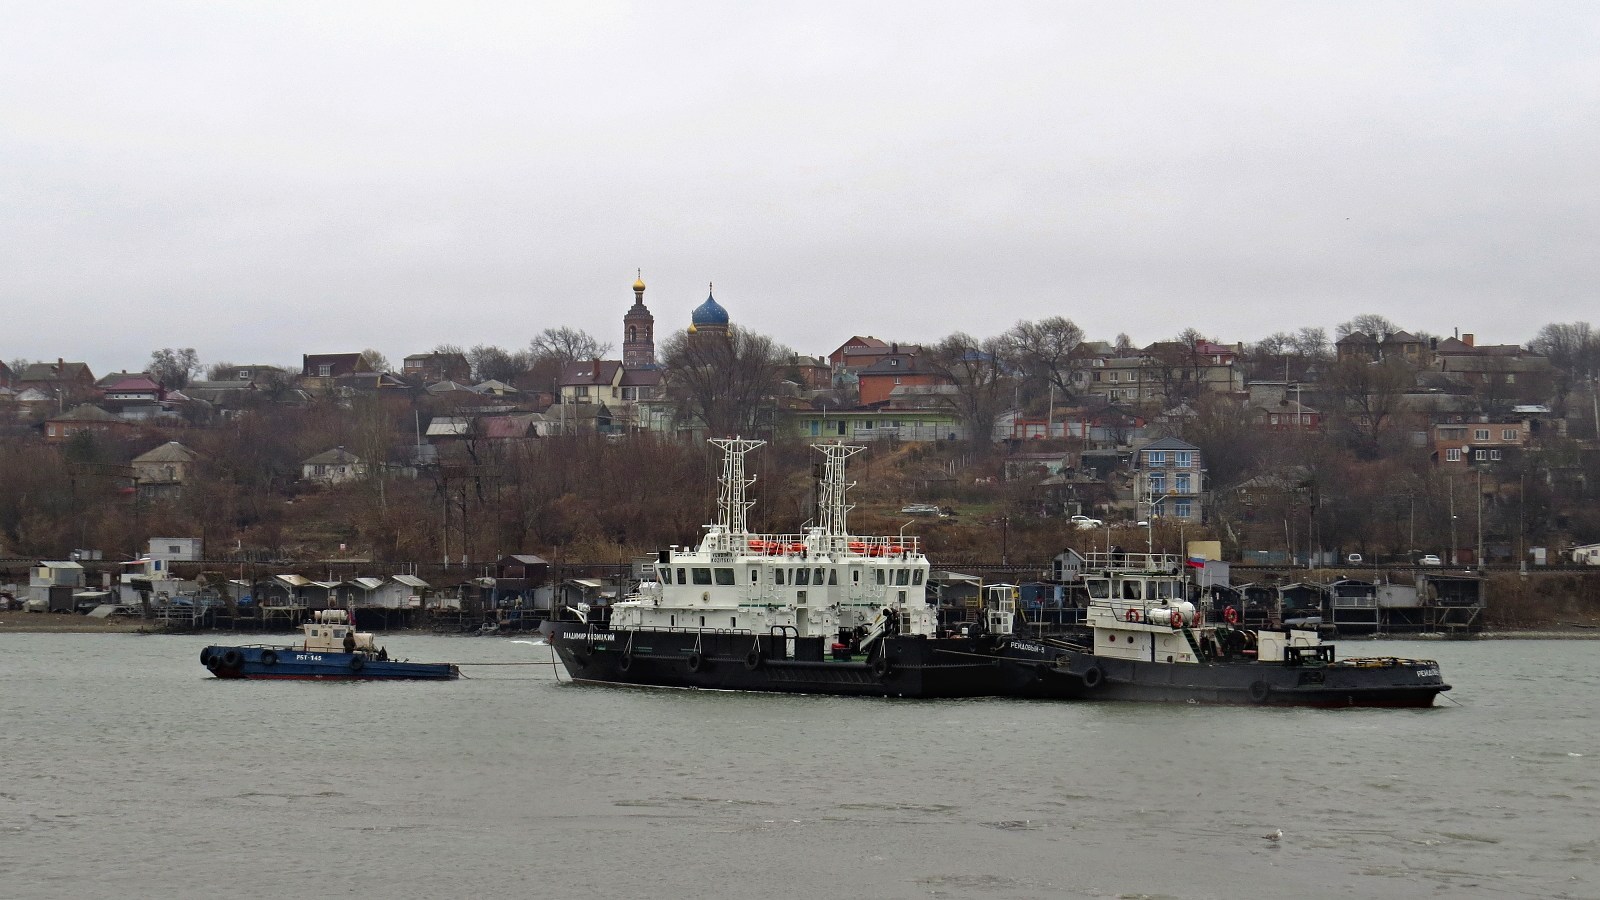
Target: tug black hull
1032 669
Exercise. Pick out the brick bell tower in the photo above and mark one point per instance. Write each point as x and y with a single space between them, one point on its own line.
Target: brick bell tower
638 332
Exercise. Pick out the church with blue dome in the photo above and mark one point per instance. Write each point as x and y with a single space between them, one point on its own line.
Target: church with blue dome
709 317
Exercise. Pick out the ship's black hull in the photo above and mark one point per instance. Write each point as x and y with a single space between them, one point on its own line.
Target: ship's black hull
904 666
1032 669
914 666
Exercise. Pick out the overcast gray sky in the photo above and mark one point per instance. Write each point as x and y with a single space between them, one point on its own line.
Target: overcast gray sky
260 180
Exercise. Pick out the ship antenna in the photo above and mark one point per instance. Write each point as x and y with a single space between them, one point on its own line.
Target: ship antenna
731 502
831 506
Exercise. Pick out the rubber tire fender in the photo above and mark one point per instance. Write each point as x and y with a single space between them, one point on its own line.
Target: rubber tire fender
695 662
269 657
231 659
625 663
1093 677
357 663
752 660
205 657
880 667
1259 690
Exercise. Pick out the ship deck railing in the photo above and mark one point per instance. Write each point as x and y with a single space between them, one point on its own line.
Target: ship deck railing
805 546
1134 563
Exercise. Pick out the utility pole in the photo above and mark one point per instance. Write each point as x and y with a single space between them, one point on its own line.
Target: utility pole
1480 520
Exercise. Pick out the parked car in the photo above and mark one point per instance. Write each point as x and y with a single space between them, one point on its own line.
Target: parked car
1429 560
1086 522
921 509
1353 559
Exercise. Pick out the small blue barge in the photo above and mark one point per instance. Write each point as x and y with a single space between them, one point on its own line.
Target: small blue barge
332 650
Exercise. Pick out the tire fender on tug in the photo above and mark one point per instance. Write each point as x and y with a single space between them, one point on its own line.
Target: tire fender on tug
269 658
695 662
752 660
880 667
231 659
1093 677
357 663
1259 691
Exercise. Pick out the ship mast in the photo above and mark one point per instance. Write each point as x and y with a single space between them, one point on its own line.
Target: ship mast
731 528
831 506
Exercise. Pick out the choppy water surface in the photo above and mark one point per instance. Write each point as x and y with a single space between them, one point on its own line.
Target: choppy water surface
128 771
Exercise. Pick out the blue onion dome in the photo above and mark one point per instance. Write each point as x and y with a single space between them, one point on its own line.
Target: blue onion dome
709 313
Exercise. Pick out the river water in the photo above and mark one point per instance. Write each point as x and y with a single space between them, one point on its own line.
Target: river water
126 770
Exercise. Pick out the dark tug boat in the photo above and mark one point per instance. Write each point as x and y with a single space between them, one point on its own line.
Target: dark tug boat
1146 640
828 612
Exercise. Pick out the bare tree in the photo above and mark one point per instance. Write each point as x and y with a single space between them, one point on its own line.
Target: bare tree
375 361
723 379
490 363
566 344
174 367
1044 351
980 372
1371 324
1365 398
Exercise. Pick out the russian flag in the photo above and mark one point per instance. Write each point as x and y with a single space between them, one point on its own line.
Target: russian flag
1195 562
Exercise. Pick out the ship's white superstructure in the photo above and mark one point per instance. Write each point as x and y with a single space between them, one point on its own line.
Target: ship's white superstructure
821 582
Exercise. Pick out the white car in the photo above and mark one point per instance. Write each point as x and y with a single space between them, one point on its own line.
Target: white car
1086 522
1430 560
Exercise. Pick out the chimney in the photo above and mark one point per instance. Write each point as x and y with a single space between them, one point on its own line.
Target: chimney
596 369
894 347
1467 339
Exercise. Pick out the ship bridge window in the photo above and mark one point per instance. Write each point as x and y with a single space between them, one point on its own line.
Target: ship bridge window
724 576
1133 590
701 576
1099 588
902 577
916 576
681 579
833 576
802 576
777 576
1166 590
880 576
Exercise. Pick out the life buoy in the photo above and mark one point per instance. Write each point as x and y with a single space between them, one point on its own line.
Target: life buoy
1132 615
625 663
231 659
1259 691
1230 615
1177 619
1092 677
880 667
752 660
269 658
357 663
695 662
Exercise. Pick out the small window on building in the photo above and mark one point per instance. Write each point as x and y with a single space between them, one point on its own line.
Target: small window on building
1494 454
1452 455
724 576
1509 434
1183 459
1156 458
325 370
1480 454
702 576
1480 434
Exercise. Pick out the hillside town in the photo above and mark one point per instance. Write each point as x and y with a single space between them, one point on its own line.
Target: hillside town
1378 443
